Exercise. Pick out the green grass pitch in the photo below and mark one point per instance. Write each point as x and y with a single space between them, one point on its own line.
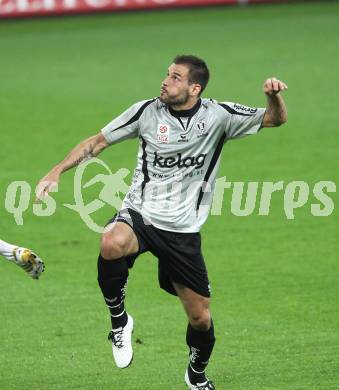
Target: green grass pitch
275 281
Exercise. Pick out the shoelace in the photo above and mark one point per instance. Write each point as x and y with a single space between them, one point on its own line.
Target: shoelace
116 338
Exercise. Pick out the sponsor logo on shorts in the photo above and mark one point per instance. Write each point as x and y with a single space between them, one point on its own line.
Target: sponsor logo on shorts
179 161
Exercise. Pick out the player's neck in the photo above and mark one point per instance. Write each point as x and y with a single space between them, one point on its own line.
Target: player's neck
187 106
185 109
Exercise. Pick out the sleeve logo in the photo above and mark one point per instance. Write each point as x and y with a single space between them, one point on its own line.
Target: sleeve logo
240 107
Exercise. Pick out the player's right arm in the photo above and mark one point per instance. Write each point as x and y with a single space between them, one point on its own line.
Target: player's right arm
85 150
123 127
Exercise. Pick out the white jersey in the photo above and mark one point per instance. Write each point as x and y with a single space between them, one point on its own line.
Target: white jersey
178 158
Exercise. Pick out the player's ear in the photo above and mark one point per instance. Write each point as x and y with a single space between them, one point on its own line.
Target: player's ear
195 89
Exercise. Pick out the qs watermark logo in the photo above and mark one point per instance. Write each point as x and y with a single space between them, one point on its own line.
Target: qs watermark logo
246 198
18 195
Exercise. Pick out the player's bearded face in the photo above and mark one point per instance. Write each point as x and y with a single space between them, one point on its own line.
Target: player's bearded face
175 89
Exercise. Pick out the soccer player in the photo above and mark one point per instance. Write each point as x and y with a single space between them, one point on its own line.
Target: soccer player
181 136
24 258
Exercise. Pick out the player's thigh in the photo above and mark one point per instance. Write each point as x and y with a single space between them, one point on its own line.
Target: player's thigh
195 305
120 235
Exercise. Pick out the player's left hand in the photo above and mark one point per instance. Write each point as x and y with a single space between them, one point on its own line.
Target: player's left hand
273 86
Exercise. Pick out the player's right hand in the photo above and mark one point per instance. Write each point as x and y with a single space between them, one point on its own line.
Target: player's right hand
47 184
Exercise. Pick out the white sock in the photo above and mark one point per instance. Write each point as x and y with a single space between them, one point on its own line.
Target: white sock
6 250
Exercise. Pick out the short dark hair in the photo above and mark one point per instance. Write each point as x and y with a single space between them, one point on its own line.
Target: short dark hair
198 70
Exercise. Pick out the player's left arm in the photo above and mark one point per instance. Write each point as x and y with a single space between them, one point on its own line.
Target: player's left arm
276 111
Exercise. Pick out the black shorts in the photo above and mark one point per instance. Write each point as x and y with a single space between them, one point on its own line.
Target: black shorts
179 254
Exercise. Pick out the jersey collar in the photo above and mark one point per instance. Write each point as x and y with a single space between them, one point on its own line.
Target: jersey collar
185 113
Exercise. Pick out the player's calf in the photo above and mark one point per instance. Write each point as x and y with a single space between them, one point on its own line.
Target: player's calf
112 279
200 345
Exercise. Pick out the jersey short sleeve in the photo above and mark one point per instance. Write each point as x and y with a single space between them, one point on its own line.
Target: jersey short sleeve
243 120
125 125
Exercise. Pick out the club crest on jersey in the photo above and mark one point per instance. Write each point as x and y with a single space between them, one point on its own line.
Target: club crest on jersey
163 134
202 130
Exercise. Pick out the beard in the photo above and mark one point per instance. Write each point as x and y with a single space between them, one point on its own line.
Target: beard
174 100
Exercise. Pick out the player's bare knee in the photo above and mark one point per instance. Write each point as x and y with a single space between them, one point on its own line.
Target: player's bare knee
201 321
112 246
